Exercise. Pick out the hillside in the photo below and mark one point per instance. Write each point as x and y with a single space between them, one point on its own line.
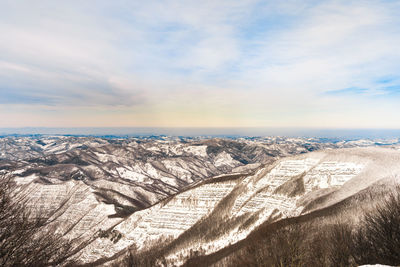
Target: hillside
217 213
175 200
87 184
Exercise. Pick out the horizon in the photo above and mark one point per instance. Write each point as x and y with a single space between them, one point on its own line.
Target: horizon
210 131
251 63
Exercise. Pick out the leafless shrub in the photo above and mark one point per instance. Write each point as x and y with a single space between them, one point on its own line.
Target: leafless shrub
284 247
340 245
316 249
25 237
378 238
153 256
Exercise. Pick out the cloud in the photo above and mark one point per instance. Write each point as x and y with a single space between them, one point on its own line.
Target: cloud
347 91
231 63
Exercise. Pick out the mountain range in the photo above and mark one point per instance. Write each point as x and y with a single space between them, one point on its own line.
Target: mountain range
193 201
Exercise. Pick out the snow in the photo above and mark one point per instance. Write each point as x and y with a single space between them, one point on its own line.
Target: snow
132 175
122 169
166 219
256 195
331 173
25 180
200 151
224 158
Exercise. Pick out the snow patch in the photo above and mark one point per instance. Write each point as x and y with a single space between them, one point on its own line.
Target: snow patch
224 159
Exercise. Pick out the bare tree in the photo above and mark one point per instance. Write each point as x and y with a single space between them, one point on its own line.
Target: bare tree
378 239
340 243
284 247
25 237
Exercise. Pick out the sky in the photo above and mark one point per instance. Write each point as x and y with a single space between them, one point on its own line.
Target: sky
246 63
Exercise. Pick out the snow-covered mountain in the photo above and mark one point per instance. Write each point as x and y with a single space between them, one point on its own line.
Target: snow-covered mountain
84 182
185 196
28 147
130 174
226 209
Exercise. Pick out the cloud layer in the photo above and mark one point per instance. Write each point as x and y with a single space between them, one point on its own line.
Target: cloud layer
200 63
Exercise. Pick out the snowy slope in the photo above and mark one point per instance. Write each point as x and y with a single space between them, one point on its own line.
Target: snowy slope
89 184
202 194
228 209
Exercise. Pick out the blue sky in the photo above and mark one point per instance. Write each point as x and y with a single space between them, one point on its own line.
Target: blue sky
245 63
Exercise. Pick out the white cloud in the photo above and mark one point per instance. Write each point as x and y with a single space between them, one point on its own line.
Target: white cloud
226 62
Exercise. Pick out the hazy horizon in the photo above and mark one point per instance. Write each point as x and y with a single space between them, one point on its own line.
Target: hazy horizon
215 131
